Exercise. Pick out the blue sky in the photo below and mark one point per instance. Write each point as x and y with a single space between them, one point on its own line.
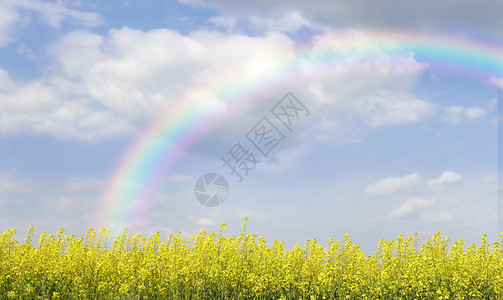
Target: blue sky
396 148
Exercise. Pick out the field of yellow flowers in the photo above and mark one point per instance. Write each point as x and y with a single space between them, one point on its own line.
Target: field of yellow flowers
214 266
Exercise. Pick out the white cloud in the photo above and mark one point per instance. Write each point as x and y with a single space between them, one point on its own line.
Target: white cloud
473 113
22 49
138 82
454 114
77 51
389 108
12 16
109 86
288 22
31 97
55 13
221 21
51 106
8 19
361 88
206 222
411 208
457 114
446 177
497 81
393 184
448 16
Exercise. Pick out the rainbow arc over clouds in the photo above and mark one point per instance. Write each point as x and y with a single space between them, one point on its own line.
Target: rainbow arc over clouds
133 184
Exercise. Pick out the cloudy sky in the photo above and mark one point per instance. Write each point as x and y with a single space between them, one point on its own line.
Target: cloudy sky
392 138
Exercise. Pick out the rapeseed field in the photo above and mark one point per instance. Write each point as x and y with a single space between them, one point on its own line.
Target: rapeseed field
211 265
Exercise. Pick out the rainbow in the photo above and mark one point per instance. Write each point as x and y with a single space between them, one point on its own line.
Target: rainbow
128 195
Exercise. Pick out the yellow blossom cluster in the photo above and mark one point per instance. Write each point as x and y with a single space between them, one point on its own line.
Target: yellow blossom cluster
214 266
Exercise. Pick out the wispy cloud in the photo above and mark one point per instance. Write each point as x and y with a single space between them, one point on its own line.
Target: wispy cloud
13 16
497 81
289 22
447 17
457 114
411 208
446 177
55 13
223 21
391 108
206 222
393 184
